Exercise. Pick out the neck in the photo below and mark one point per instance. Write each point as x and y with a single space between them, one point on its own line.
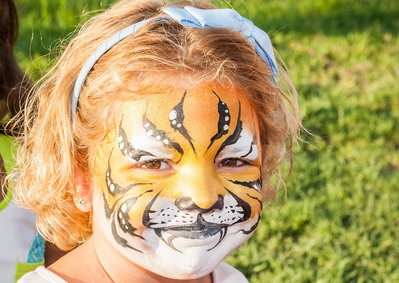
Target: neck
98 261
81 265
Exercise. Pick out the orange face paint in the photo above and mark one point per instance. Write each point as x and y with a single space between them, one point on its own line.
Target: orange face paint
181 179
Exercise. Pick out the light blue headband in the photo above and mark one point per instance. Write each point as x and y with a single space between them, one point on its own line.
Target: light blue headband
189 17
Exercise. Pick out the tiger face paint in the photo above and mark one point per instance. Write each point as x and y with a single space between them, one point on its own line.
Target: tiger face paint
179 180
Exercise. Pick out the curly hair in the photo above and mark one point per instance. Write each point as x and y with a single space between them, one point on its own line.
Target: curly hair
159 54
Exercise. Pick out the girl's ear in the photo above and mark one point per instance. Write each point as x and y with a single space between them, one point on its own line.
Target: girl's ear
82 194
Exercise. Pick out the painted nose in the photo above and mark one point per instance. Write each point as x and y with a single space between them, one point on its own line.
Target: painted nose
185 203
198 188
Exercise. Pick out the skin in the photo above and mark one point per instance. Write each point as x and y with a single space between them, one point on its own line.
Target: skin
176 189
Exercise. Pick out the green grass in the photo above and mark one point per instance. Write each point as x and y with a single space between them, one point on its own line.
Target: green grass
340 221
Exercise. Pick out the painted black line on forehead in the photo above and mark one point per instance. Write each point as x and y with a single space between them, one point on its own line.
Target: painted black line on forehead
256 185
176 119
126 147
233 138
160 135
224 121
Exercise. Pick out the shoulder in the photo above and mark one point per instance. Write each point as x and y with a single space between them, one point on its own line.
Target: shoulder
41 275
225 273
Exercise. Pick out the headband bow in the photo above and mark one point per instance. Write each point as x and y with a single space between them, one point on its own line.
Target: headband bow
190 17
226 18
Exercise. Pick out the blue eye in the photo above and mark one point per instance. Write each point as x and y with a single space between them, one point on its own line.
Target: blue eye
155 165
232 162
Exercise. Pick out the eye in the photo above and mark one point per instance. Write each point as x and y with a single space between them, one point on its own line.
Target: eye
232 162
155 165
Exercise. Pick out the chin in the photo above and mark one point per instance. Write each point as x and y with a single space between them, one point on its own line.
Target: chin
183 258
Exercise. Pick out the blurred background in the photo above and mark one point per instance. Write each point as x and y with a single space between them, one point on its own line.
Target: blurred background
340 219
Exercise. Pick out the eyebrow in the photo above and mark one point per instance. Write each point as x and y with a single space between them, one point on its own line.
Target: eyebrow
127 148
159 135
254 139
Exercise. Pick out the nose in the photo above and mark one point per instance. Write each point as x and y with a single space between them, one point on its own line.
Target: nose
187 203
198 188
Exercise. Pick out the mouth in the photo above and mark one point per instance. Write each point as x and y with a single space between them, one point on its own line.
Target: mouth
200 230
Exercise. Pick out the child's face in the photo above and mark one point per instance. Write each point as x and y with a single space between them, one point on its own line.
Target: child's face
179 179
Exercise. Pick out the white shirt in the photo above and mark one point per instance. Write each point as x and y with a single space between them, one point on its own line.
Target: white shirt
223 273
18 233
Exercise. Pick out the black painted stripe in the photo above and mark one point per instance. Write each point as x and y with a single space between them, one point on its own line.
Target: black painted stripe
255 198
224 113
251 184
127 149
176 119
233 138
161 134
114 188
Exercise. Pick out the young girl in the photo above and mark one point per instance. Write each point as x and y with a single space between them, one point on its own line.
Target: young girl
150 145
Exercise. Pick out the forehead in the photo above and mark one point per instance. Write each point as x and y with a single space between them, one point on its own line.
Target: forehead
200 111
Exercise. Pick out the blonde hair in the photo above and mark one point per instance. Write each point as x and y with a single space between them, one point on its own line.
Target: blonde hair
160 53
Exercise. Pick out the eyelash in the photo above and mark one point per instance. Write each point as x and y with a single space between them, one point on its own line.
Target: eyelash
162 164
243 162
146 164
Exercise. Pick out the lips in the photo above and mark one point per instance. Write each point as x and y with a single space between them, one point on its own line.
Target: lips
199 230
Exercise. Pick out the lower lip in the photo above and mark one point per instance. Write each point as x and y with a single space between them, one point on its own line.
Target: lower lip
200 235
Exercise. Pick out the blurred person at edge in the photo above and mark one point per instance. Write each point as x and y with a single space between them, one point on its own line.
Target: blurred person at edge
22 249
